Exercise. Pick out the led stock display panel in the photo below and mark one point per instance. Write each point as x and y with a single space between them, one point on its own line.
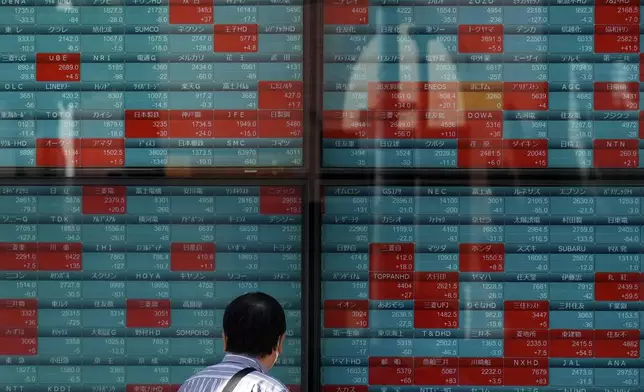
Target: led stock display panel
151 83
123 288
482 289
482 84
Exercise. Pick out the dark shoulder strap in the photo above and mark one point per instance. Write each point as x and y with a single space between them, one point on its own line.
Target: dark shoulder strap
232 383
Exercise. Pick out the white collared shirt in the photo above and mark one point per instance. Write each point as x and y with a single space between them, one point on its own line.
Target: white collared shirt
214 378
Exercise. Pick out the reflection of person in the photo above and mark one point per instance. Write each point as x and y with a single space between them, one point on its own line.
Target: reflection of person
66 134
254 331
398 104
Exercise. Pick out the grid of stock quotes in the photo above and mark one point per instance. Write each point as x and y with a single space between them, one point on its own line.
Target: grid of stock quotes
482 84
151 83
122 288
436 289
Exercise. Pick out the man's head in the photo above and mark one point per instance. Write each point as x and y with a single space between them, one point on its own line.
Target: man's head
255 326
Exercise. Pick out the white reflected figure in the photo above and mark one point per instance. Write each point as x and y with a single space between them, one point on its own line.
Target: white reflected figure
66 134
573 131
622 99
65 6
445 71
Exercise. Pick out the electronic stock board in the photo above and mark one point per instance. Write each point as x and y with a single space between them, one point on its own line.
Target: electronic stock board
482 84
151 83
111 288
448 288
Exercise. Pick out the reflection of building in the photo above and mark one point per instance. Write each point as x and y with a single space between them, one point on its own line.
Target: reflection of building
464 74
66 132
399 103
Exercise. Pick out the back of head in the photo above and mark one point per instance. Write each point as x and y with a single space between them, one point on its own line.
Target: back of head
253 325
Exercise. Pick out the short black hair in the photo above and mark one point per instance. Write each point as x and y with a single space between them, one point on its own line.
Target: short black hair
254 324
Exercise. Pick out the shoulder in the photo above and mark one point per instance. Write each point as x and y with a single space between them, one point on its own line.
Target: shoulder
207 378
200 378
266 383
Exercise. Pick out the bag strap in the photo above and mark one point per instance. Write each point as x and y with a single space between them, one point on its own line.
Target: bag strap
232 383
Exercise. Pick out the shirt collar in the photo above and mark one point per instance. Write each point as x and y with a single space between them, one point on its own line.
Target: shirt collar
244 360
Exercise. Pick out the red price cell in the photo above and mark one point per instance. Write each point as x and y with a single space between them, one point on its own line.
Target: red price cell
350 13
281 124
19 341
617 38
393 95
110 200
391 285
142 313
149 388
58 152
280 200
480 39
236 124
345 388
17 256
623 12
616 96
617 344
191 11
236 38
436 371
102 153
439 286
395 124
610 153
147 124
436 314
391 257
473 153
438 124
191 124
280 95
391 371
571 343
481 371
526 315
481 258
58 67
525 343
482 125
528 372
346 314
60 256
617 286
18 314
192 257
440 99
525 96
349 124
525 153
